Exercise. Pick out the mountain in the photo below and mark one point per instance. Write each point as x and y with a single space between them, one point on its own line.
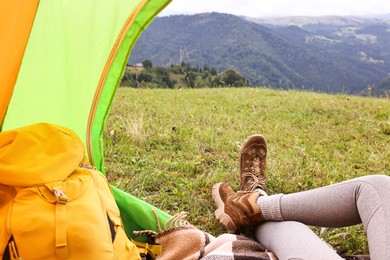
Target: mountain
382 88
313 23
330 57
383 16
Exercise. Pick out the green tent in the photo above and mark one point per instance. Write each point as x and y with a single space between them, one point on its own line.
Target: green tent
61 62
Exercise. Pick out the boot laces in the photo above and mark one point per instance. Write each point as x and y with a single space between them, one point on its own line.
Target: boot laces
253 181
256 165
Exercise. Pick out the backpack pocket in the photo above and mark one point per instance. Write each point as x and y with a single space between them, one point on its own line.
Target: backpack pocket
66 216
124 248
72 188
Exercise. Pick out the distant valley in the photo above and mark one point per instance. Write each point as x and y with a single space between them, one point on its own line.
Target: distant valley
327 54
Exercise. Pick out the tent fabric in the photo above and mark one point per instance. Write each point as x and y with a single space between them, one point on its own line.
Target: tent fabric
16 29
61 62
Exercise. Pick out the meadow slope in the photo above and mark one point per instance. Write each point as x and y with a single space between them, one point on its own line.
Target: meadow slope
168 147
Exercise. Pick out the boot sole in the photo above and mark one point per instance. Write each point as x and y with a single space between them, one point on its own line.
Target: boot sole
253 139
220 212
256 138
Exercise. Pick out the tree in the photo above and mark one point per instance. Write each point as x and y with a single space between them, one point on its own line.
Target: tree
145 77
147 64
190 79
213 71
233 78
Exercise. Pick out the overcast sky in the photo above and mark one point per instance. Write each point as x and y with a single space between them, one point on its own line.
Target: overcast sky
266 8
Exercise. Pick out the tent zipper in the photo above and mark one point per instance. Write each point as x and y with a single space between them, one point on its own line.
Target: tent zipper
130 20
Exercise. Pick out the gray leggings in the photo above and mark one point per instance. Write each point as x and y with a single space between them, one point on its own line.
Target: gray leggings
362 200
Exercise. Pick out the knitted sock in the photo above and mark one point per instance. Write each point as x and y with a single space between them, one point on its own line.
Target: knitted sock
262 192
270 207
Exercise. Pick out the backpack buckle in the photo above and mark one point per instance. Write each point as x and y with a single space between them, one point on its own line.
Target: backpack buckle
60 196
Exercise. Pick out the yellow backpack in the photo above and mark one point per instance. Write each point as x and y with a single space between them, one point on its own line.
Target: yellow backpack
52 204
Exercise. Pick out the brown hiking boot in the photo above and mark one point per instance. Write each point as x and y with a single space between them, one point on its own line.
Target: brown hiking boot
235 210
252 158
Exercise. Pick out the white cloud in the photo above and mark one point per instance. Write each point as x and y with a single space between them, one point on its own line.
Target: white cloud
258 8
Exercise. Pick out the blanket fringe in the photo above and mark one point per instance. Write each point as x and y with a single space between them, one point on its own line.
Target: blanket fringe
175 223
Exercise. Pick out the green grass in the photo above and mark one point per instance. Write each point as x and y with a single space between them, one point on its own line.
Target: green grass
168 147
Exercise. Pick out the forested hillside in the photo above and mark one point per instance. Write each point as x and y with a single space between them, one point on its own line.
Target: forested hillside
320 56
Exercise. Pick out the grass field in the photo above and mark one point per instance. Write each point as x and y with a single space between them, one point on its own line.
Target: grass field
168 147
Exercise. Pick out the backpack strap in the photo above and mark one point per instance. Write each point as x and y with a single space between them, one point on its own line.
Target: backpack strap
11 251
60 227
146 249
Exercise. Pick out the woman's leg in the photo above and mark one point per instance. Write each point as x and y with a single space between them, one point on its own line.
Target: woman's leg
290 240
362 200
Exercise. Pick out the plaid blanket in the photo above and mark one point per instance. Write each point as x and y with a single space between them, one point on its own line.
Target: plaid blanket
191 243
181 240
